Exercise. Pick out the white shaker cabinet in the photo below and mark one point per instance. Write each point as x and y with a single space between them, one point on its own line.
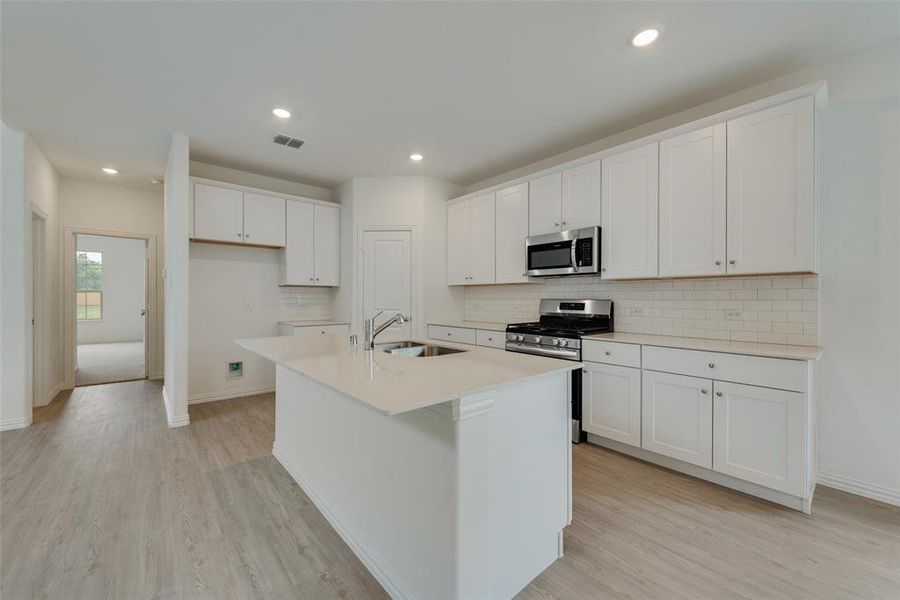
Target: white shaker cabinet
581 196
264 220
545 204
630 214
760 435
512 229
692 203
312 250
677 417
611 402
470 241
218 214
771 214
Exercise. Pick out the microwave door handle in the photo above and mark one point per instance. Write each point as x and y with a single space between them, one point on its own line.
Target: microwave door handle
574 256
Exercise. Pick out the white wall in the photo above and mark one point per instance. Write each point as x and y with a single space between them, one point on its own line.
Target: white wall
110 207
123 285
294 188
859 374
176 215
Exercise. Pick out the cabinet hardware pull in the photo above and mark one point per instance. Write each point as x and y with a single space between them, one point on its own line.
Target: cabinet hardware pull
702 391
718 263
608 352
603 269
731 262
719 394
246 236
239 235
556 224
712 365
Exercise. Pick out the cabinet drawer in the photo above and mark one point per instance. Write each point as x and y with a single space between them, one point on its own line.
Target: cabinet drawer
611 353
320 329
491 339
453 334
753 370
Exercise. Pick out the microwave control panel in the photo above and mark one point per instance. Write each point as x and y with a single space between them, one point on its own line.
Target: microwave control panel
584 252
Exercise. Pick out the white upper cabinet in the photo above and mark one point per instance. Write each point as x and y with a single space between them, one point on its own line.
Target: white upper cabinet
263 220
630 214
692 203
458 243
312 252
218 214
470 241
771 214
545 204
327 244
581 196
512 229
482 234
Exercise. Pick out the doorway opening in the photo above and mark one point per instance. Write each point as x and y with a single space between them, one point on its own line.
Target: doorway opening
110 305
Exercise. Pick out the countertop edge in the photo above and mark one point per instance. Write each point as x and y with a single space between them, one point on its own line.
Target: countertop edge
761 349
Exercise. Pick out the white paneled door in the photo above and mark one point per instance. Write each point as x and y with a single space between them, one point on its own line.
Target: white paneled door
512 229
481 239
545 204
328 245
771 216
677 417
218 214
263 220
612 402
581 196
692 203
299 253
387 273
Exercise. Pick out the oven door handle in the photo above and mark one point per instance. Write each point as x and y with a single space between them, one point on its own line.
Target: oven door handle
565 353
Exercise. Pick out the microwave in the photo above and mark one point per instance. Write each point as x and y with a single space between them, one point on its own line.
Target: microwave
572 252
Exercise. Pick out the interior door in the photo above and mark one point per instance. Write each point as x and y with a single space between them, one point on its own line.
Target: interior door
145 308
387 272
263 220
218 213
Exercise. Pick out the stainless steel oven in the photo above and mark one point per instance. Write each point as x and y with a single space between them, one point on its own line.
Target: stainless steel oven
572 252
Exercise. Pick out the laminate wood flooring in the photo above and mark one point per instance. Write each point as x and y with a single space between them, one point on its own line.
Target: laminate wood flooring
100 499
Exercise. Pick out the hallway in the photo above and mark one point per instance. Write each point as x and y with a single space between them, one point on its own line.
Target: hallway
109 362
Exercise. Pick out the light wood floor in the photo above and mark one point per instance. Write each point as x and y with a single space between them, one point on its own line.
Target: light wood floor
99 499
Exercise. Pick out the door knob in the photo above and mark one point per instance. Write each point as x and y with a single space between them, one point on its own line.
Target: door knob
143 312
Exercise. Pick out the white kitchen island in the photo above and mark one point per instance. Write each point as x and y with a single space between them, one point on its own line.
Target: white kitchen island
449 476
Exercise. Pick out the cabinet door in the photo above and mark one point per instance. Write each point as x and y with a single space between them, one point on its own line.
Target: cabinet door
458 243
545 204
676 412
692 203
630 211
611 404
327 245
298 267
760 436
264 220
218 213
770 190
482 237
581 196
512 229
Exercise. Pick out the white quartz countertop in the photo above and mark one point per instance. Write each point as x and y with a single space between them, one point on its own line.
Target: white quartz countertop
489 326
312 323
748 348
396 384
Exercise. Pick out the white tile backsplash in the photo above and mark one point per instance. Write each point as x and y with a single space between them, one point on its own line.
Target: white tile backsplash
305 303
780 310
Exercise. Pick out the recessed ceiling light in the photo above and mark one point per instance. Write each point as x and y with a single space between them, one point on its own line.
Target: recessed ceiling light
644 37
281 113
110 170
416 157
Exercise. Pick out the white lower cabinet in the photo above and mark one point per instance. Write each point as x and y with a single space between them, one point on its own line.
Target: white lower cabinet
611 402
676 413
760 436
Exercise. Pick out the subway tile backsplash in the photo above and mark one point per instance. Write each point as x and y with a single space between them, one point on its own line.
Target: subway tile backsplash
779 310
305 303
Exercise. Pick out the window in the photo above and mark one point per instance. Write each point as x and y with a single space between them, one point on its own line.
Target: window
89 286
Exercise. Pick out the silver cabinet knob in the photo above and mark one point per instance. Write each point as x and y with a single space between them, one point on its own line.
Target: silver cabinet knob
239 235
703 391
603 269
556 224
718 263
608 353
731 262
719 394
246 235
564 223
711 365
312 279
317 278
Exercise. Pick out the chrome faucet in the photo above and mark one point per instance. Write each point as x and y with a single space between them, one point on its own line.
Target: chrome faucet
371 331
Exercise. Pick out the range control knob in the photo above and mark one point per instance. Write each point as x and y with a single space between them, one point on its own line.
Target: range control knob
537 339
555 342
563 342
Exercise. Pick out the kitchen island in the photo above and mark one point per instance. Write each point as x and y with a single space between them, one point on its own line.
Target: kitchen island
449 476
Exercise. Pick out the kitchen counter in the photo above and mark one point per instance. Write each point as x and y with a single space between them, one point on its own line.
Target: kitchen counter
710 345
486 325
312 323
396 384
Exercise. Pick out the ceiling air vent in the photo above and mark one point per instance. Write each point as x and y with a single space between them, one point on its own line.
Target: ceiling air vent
286 140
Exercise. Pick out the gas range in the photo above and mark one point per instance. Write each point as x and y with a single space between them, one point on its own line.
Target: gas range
561 326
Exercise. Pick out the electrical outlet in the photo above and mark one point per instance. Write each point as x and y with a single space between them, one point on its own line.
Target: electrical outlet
734 315
637 311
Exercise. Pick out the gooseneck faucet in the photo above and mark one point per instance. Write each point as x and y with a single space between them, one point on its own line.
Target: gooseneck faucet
371 331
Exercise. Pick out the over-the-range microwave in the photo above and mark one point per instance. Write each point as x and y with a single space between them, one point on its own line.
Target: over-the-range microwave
572 252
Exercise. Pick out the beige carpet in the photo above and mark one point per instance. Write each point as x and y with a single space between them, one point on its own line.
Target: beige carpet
106 363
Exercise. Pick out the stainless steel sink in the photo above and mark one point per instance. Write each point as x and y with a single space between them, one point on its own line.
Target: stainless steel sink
411 348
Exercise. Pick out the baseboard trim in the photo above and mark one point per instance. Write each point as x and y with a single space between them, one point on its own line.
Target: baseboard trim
860 488
55 392
174 421
10 424
388 579
229 394
728 481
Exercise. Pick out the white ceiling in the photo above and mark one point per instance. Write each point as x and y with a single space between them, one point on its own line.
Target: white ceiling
479 88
